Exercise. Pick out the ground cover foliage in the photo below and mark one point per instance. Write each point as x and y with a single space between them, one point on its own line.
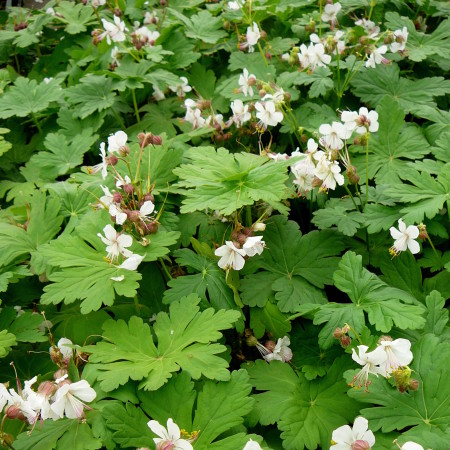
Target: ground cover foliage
258 256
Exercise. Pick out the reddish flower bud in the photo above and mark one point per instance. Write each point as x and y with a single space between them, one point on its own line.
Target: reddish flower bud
133 216
14 412
345 341
149 197
117 12
128 188
337 333
156 140
151 228
112 160
413 384
117 197
262 93
47 388
263 34
270 345
60 373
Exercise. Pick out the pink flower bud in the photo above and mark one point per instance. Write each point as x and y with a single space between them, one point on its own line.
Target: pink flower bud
14 412
270 345
128 188
60 373
360 445
47 388
117 197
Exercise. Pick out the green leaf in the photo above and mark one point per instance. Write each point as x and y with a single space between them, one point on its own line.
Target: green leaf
313 361
75 16
385 306
209 278
184 52
334 213
319 81
93 93
437 314
428 405
26 327
7 340
12 274
393 143
184 341
4 144
269 319
61 434
129 425
43 225
296 267
380 217
424 196
372 85
220 407
27 97
419 45
85 275
63 155
306 412
226 182
203 80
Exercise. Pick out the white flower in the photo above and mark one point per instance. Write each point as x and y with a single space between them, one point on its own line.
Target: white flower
252 445
398 353
103 166
333 135
169 438
411 446
281 352
181 88
253 36
330 12
113 31
150 17
330 174
114 53
117 141
146 209
117 213
50 11
254 245
107 199
400 38
121 182
240 113
66 352
376 57
18 401
97 3
317 56
345 438
304 177
267 114
278 156
131 263
369 27
231 256
147 36
246 82
363 121
116 243
277 96
303 56
158 94
67 400
370 362
235 5
404 238
195 118
340 45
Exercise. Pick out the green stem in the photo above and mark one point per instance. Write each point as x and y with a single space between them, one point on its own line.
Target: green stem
351 196
248 211
166 271
36 123
367 171
372 5
355 333
136 110
137 307
320 13
262 54
432 246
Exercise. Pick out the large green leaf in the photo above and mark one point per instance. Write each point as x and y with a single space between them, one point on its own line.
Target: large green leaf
27 97
184 341
306 412
384 305
293 266
226 182
372 85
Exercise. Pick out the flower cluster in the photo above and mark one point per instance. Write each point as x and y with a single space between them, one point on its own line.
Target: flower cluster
52 399
389 358
242 246
271 351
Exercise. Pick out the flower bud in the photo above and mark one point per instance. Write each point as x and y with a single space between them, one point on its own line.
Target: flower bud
14 412
423 235
128 188
262 93
259 226
163 2
112 160
270 345
287 97
337 333
151 228
360 445
316 182
353 178
117 12
413 384
124 150
60 374
47 388
268 56
117 197
345 341
251 80
133 216
263 34
149 197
